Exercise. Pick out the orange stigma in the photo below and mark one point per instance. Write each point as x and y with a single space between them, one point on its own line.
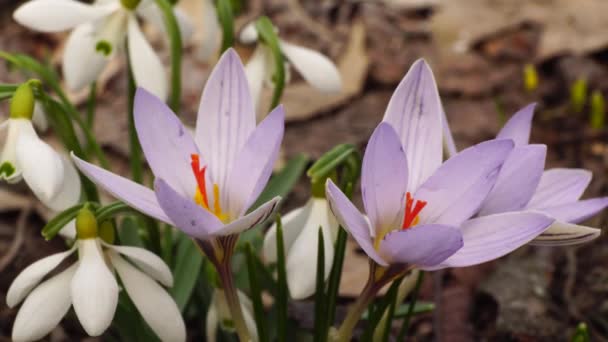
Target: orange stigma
199 175
410 216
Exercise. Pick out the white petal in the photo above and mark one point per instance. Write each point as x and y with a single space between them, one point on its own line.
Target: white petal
302 256
249 34
257 70
69 193
212 32
59 15
68 231
94 289
39 118
41 166
293 223
220 313
211 324
44 308
147 261
315 68
247 308
148 70
152 301
9 154
32 275
81 63
563 233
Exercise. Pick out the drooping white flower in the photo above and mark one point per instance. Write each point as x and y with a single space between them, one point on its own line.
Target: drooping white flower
99 32
301 237
90 286
318 70
219 315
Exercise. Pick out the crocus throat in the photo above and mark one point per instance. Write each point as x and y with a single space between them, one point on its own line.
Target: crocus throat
412 210
200 197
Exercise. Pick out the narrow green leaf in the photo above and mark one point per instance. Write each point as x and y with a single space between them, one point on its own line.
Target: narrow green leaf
225 16
419 308
187 269
320 310
175 42
408 317
112 209
283 291
256 294
378 309
128 233
268 35
283 181
328 157
167 244
58 222
328 167
392 297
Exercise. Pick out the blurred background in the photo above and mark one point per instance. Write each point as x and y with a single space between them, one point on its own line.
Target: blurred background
490 58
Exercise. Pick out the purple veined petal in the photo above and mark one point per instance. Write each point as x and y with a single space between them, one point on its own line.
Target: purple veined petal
562 234
186 215
226 119
517 180
578 211
560 186
491 237
135 195
253 165
415 112
519 126
449 145
351 219
167 145
384 178
423 246
456 191
258 216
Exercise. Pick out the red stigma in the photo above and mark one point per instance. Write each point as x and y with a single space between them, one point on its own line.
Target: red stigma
412 209
199 175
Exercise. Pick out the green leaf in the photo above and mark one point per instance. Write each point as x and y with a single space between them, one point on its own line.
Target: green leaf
330 161
320 309
375 315
111 210
128 233
283 181
412 306
419 308
58 222
225 16
283 291
392 297
269 37
256 294
187 269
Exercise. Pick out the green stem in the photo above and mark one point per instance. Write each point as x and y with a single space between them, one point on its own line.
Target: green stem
410 310
226 18
135 155
91 103
175 41
345 332
232 299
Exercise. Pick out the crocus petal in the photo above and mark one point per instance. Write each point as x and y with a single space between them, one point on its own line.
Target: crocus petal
302 255
449 145
292 223
147 68
490 237
59 15
135 195
415 112
351 219
188 216
147 261
456 191
517 181
41 166
81 63
257 70
258 216
561 234
519 126
384 177
578 211
93 289
32 275
560 186
253 165
152 301
315 68
226 118
167 145
424 245
69 193
44 308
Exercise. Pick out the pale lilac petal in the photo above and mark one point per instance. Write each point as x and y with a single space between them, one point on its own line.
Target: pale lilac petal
456 191
135 195
490 237
384 178
519 126
258 216
415 112
351 219
226 119
560 186
562 234
517 180
167 145
253 165
423 246
188 216
578 211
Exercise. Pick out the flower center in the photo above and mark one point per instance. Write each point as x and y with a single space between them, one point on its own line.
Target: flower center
200 197
412 210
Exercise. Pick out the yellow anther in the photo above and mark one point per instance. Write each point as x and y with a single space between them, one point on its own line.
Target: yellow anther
216 200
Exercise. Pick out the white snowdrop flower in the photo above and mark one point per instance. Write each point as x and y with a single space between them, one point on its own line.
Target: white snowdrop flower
90 286
219 314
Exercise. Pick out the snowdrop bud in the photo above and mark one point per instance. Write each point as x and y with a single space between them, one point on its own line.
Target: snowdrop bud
530 78
22 103
86 224
130 4
107 232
